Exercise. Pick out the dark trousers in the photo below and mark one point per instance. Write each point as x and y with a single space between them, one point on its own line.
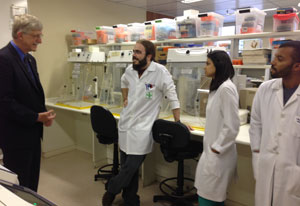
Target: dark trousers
127 179
25 163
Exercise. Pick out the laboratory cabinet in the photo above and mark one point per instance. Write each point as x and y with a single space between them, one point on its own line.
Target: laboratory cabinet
72 130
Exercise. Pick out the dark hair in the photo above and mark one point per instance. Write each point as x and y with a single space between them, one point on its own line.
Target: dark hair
224 68
296 46
149 47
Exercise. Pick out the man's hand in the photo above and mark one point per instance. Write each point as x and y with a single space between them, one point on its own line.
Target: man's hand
46 117
214 151
125 103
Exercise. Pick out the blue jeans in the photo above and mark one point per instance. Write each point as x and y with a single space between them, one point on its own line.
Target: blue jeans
127 179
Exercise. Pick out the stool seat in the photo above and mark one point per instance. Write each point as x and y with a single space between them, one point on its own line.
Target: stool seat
105 127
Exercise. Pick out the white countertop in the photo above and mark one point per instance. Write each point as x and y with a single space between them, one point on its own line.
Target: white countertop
242 138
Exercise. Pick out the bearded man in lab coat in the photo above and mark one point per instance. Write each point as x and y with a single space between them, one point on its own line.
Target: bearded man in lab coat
144 84
275 131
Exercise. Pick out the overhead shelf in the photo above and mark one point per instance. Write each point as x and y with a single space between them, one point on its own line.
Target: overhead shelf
210 38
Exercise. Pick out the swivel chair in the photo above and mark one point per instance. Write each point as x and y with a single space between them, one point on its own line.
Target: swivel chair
175 145
105 127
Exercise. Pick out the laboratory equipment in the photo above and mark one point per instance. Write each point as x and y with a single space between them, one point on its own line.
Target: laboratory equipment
250 20
110 93
105 34
285 22
165 29
149 31
135 31
211 24
121 33
81 89
187 26
187 68
12 195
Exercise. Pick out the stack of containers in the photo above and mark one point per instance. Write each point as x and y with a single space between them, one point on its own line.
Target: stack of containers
249 20
77 37
187 26
105 34
285 19
121 33
149 31
211 24
135 31
165 29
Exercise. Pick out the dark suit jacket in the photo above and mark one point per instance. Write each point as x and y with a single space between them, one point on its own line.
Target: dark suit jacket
20 101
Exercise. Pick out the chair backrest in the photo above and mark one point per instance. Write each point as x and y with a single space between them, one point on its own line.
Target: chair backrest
173 135
104 125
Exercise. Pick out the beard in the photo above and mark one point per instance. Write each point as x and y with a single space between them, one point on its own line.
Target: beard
140 65
282 73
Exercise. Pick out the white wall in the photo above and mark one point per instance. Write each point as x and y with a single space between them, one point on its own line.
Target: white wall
58 18
5 19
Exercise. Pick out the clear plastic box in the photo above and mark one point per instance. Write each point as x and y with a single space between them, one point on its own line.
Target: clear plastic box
105 34
77 37
135 31
187 26
285 22
165 29
149 31
249 20
211 24
121 33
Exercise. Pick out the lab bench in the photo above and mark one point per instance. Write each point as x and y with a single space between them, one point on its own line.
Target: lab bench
72 130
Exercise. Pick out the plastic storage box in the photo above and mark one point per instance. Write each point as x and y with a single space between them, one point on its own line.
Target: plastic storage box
149 31
165 29
285 22
121 33
105 34
249 21
77 37
187 26
211 24
135 31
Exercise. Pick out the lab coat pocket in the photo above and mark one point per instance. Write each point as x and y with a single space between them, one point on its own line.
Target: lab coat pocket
293 185
144 123
212 164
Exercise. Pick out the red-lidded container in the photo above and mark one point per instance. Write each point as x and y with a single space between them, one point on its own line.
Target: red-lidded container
285 22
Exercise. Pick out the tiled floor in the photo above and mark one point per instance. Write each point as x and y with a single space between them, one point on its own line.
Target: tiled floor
68 180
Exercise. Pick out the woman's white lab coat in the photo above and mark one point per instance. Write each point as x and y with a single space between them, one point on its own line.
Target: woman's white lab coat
144 97
275 131
215 171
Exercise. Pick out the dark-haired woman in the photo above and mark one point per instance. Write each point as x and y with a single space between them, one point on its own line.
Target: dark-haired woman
217 165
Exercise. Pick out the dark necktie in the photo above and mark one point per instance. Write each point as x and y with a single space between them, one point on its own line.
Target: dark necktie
29 70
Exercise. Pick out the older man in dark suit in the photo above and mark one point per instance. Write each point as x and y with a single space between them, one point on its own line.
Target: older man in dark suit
22 102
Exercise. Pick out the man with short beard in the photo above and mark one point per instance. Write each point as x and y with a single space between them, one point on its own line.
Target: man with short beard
144 84
275 131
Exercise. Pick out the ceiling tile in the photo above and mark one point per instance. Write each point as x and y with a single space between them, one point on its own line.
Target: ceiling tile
115 0
169 6
146 3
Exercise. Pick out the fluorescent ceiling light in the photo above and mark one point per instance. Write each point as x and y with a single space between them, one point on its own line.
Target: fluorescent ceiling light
189 1
271 9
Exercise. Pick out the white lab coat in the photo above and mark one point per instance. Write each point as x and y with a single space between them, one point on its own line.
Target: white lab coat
275 131
144 98
215 171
